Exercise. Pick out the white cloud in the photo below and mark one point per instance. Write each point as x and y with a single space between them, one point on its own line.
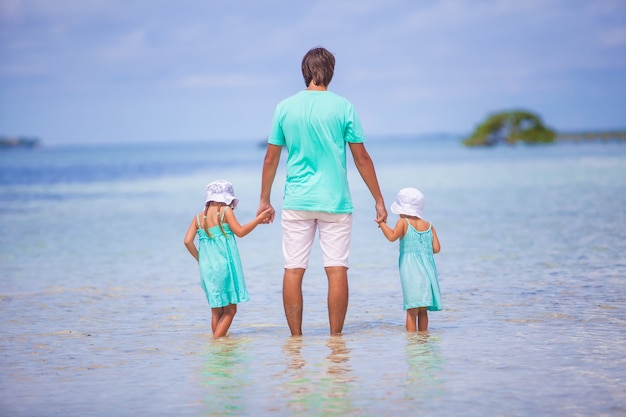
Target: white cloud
125 46
614 37
237 81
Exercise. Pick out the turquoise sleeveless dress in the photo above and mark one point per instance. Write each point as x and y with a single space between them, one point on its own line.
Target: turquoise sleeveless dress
418 273
221 273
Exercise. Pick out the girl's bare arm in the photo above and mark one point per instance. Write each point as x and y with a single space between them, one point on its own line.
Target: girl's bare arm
242 230
393 234
189 238
436 245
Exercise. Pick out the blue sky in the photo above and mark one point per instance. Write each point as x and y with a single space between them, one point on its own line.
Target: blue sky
76 71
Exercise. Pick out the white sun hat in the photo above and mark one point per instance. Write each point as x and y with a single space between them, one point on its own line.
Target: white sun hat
410 202
221 191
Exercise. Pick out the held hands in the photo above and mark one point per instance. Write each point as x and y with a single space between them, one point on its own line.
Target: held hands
265 213
381 213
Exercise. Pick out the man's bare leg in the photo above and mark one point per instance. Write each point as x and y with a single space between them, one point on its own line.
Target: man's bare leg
292 299
337 297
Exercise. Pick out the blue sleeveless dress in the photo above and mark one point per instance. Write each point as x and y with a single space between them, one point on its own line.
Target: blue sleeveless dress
418 273
221 273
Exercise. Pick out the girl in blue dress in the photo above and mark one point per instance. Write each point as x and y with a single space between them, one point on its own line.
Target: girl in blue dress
418 273
221 273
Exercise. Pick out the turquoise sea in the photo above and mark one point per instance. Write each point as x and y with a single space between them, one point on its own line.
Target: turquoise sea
103 314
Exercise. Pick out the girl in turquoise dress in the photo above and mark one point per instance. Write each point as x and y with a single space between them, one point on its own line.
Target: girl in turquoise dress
221 273
418 273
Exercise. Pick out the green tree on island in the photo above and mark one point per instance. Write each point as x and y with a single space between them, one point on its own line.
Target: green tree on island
511 127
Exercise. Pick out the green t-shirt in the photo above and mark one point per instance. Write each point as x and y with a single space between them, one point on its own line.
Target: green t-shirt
315 127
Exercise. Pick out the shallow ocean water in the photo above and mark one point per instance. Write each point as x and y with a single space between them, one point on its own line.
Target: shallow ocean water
102 312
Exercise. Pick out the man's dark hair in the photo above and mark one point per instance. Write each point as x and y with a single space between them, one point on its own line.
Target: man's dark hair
318 65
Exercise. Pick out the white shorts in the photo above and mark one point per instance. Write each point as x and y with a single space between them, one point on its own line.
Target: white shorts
299 233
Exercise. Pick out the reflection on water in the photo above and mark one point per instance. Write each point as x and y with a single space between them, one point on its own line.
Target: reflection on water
298 387
320 388
338 379
424 367
224 375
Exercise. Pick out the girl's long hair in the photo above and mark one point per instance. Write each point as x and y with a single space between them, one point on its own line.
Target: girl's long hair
219 219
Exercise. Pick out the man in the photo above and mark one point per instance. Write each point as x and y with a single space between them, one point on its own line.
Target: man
315 125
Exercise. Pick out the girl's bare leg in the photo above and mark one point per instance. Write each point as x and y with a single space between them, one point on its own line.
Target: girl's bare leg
216 314
422 319
411 320
225 320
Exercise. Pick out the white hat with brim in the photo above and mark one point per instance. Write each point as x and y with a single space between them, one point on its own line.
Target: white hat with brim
221 191
410 202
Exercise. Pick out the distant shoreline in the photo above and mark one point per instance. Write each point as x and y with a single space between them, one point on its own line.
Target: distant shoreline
591 136
18 142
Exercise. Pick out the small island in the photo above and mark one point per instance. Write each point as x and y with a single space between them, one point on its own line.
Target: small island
511 127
